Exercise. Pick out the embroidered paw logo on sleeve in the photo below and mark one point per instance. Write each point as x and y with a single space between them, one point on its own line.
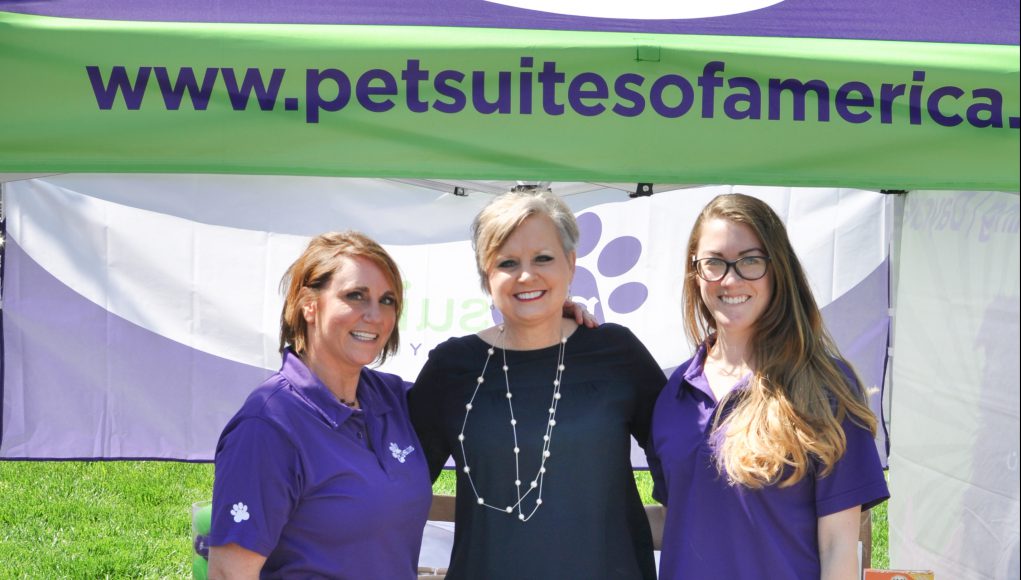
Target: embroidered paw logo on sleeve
398 453
240 512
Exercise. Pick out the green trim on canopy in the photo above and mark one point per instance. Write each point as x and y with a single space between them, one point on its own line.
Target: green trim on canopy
627 107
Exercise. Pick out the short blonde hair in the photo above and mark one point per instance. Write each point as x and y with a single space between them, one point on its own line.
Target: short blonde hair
311 273
498 220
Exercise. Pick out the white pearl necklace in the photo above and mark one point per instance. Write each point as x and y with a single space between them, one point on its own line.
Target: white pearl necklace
536 483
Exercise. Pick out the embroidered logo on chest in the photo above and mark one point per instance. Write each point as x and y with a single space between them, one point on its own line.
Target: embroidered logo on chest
398 453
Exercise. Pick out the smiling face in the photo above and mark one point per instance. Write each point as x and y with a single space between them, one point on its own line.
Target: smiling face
734 303
351 318
530 274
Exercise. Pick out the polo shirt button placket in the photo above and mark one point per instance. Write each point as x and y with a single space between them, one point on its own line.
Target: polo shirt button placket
363 435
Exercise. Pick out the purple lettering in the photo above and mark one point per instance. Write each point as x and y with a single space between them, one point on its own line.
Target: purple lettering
525 87
549 78
443 83
986 114
946 206
502 104
932 104
990 219
887 95
799 91
365 91
843 101
752 101
266 96
173 93
314 101
709 83
620 86
412 75
577 93
118 83
915 99
656 96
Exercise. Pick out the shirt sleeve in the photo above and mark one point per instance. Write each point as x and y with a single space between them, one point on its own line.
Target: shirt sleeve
255 487
856 479
648 380
661 416
397 391
425 403
659 487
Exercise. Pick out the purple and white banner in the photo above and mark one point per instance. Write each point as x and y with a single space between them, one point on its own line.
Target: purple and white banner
956 400
139 310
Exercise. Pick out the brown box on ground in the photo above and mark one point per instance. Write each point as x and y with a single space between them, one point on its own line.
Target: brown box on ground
872 574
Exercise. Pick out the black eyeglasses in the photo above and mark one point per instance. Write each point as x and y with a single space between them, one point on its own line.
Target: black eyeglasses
715 269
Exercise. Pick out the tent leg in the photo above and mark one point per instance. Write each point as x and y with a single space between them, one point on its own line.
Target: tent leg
865 537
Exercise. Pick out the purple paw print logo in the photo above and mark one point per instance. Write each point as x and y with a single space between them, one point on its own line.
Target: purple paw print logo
201 545
616 258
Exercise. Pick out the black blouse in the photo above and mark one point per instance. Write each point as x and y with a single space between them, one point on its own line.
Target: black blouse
591 523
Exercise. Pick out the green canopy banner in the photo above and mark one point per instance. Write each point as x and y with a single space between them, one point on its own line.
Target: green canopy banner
87 95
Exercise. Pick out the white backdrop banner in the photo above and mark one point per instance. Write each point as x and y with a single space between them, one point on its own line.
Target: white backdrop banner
140 310
955 387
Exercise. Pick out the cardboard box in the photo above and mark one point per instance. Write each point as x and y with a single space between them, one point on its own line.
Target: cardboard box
872 574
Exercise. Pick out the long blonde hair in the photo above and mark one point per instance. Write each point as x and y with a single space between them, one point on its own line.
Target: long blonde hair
792 410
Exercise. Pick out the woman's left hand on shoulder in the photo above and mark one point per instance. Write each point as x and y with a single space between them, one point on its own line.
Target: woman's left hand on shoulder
579 313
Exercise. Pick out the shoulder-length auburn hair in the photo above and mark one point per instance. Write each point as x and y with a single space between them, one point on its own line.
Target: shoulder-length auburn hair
790 415
311 273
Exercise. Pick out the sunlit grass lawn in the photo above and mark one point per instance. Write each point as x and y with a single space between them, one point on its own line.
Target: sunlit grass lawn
130 519
116 519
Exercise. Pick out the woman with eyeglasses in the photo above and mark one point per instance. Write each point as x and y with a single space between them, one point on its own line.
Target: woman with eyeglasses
762 443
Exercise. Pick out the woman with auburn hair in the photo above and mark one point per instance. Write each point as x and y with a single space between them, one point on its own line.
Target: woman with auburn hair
320 473
538 414
762 443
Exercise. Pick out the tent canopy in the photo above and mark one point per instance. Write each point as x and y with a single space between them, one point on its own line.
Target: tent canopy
910 95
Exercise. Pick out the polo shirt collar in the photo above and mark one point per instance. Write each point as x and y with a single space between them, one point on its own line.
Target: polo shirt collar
370 389
310 389
694 375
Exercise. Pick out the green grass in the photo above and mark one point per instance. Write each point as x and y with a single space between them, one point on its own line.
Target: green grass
130 519
98 519
880 540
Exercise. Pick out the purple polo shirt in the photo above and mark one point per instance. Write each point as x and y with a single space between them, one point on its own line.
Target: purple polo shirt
716 530
319 489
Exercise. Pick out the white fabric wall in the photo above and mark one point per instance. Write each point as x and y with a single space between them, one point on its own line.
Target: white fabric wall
955 387
140 310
